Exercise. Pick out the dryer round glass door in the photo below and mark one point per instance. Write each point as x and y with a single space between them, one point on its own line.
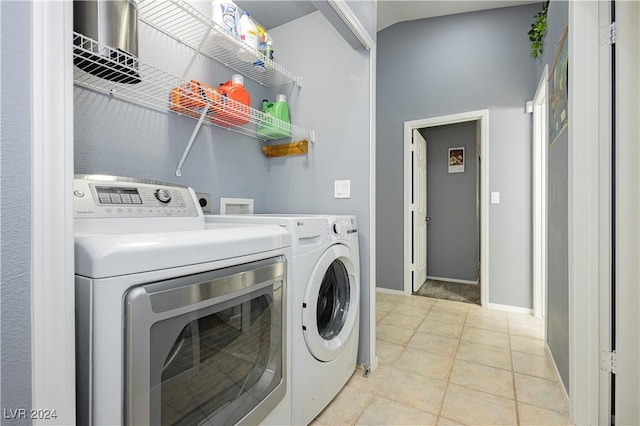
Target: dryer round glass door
330 308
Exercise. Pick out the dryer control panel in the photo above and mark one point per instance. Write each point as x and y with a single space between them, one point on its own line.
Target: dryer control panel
127 199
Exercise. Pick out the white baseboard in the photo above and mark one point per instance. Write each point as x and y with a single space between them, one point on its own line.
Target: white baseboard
565 394
452 280
390 291
509 308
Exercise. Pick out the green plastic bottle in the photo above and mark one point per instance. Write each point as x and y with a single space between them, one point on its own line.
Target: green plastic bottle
276 122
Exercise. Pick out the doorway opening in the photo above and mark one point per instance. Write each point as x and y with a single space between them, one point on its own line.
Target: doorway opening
417 223
452 213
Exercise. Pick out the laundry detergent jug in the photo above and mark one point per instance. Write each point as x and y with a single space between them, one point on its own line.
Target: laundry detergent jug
275 122
234 107
192 97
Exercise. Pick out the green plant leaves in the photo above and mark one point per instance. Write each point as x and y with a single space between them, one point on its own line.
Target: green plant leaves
538 30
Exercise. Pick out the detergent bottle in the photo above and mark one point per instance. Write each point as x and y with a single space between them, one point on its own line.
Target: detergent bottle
225 16
235 101
275 119
268 50
249 37
262 49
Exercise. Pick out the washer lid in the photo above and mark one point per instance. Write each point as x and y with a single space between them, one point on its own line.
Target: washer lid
108 255
301 227
331 303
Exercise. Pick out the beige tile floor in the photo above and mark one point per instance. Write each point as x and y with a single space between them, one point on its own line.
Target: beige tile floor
451 363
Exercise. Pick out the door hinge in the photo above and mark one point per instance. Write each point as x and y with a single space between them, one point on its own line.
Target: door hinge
608 362
608 34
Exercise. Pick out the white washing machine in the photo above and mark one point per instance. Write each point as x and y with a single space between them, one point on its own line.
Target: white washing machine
176 322
325 296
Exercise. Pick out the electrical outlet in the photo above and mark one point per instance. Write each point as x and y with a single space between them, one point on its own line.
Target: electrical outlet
204 198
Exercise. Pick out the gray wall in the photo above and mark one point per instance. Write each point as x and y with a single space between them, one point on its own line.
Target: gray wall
558 214
451 64
15 202
334 100
452 240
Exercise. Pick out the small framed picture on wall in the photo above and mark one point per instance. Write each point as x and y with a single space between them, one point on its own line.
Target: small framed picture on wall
456 160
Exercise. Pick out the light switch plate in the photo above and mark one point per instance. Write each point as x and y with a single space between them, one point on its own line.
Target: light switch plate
342 189
495 198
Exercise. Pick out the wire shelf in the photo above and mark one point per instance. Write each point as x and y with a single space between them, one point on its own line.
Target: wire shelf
115 72
187 25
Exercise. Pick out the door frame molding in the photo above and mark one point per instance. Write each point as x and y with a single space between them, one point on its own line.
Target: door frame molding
540 111
52 268
482 116
588 222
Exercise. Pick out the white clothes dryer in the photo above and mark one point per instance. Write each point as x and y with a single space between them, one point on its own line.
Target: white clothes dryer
325 297
177 322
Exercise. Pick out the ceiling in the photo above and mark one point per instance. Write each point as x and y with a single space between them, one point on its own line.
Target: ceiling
273 13
393 11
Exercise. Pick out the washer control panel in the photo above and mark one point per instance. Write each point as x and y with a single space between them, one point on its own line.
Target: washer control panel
344 227
117 197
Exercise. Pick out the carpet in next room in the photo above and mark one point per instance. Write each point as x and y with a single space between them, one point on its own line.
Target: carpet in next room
459 292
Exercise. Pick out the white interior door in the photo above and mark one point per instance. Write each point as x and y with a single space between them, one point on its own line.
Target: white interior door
625 290
419 211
